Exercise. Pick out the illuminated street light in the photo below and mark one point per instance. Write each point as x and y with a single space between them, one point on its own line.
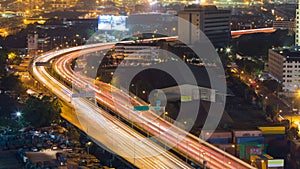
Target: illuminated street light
88 144
166 113
228 50
18 114
185 127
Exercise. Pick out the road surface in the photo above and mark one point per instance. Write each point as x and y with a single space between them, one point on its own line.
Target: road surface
114 134
186 144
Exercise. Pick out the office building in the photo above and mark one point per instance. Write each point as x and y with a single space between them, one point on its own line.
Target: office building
297 34
284 65
209 19
136 51
284 24
160 23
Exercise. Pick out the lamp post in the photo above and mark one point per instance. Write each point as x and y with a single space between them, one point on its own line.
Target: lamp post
88 144
165 113
204 162
136 89
185 125
228 51
18 114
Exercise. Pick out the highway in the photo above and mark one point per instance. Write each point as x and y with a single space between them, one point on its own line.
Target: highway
184 143
237 33
114 134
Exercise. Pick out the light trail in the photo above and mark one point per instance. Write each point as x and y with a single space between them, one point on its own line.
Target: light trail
93 119
170 135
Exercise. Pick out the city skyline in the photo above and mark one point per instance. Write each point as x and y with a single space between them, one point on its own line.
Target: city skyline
149 84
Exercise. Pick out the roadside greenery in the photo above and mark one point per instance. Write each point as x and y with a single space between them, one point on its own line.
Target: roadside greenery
292 133
273 85
41 112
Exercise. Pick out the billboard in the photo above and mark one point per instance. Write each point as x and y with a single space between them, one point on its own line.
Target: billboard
32 41
111 22
276 163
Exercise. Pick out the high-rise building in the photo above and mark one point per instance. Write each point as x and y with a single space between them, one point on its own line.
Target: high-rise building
297 34
284 66
209 19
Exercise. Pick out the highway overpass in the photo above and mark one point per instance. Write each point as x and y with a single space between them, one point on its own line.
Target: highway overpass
195 149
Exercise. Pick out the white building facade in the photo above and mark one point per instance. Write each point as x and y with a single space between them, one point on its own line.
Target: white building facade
297 34
285 67
214 23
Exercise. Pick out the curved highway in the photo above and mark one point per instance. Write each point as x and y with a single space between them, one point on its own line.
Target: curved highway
115 135
184 143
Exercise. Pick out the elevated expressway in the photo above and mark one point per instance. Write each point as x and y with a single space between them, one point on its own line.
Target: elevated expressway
115 135
189 146
238 33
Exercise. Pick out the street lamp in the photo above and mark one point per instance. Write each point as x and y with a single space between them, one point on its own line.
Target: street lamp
228 51
262 163
165 113
18 114
136 89
204 162
185 125
88 144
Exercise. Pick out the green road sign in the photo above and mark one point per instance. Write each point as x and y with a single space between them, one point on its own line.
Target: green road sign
141 108
186 98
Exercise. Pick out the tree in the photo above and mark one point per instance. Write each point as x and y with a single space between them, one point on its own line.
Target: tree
7 108
3 58
250 95
41 112
11 82
270 111
286 124
292 133
14 58
272 85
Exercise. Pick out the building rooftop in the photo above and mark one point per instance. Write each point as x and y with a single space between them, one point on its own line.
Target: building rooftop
196 7
290 55
136 44
203 8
